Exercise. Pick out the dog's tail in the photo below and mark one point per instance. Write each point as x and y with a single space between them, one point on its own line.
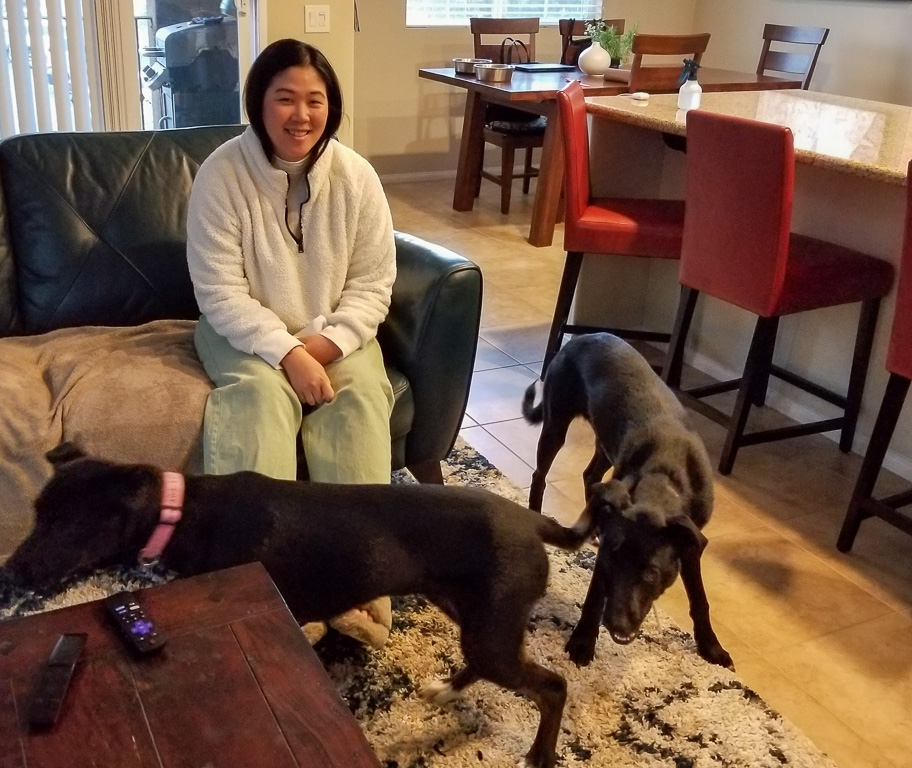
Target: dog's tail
530 414
552 532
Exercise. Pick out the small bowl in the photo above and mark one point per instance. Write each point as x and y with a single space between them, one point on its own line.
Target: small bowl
467 66
494 73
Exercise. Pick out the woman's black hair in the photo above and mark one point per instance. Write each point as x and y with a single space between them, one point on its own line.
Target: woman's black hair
276 58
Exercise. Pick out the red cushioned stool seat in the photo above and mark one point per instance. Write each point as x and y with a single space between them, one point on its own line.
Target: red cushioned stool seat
738 247
650 228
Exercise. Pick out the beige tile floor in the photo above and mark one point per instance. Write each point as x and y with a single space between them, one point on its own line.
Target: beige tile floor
825 638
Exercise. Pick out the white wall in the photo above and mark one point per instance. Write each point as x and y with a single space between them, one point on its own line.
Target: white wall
284 19
868 53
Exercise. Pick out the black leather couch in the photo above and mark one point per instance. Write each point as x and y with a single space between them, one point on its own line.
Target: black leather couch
92 233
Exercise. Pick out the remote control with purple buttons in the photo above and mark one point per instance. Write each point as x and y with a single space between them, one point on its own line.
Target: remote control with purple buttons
136 628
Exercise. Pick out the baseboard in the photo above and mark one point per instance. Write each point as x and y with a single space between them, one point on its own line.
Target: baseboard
404 178
894 462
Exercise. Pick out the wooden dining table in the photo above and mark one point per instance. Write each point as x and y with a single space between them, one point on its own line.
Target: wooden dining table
536 92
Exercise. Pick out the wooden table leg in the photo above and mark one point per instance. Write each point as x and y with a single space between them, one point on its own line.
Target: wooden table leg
471 153
550 179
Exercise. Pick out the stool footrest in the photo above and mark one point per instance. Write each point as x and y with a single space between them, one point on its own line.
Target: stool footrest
623 333
901 499
796 430
808 386
705 409
887 512
714 389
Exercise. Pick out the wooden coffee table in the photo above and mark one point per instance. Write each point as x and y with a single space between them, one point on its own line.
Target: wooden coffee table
236 686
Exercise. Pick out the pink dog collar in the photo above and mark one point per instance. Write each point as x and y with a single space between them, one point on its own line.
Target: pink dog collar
171 508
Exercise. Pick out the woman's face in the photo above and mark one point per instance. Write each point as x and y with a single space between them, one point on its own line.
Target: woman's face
295 109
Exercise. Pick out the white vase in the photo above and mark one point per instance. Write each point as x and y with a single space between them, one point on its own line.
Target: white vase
594 60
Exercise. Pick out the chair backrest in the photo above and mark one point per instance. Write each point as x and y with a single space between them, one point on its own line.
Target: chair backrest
571 105
738 206
663 77
899 354
523 30
574 38
789 62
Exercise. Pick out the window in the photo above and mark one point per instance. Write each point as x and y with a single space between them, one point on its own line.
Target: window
431 13
44 84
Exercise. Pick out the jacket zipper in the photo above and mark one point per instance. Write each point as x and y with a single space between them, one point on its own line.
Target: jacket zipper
298 240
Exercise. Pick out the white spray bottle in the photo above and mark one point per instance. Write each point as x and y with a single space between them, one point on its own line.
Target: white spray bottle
690 90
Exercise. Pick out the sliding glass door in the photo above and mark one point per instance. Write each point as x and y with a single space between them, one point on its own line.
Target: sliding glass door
193 55
122 64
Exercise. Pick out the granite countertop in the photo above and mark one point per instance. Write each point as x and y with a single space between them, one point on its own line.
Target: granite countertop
865 138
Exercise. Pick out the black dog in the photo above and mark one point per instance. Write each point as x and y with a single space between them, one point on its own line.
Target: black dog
327 548
660 496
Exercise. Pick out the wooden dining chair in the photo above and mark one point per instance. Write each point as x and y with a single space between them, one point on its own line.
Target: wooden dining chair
864 503
664 77
507 128
739 248
602 226
789 62
575 39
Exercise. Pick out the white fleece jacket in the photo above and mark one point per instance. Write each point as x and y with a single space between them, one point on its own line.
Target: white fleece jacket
251 281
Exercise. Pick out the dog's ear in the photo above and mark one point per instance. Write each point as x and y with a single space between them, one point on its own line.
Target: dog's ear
64 454
685 534
613 494
607 502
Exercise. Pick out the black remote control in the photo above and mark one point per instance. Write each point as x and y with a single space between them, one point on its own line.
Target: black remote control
134 625
51 686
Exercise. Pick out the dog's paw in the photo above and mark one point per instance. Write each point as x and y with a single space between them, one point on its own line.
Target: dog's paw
581 650
440 692
716 654
314 631
369 623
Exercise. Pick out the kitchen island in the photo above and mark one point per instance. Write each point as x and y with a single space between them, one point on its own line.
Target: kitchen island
851 163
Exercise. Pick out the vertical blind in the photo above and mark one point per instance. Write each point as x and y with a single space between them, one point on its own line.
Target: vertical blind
44 80
427 13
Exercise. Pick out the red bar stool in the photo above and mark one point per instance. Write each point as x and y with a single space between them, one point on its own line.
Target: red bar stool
899 363
738 248
601 225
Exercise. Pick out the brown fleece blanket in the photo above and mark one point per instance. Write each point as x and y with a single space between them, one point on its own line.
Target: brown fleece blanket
124 394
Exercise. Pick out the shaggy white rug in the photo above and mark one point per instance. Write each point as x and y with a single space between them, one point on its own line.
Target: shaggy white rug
654 702
648 704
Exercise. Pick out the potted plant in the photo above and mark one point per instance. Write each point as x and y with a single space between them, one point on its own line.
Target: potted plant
616 43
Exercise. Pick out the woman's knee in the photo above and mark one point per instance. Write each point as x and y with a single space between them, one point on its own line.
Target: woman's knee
266 394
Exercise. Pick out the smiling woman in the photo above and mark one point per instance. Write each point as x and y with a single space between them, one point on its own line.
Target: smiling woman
295 110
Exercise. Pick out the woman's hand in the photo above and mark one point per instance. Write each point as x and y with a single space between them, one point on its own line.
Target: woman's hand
307 376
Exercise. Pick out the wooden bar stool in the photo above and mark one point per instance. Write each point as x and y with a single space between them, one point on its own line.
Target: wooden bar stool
505 127
663 77
650 228
899 363
790 62
738 247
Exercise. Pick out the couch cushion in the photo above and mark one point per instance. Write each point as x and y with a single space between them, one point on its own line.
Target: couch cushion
97 222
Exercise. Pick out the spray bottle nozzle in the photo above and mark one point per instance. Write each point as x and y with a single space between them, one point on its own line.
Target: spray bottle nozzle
689 72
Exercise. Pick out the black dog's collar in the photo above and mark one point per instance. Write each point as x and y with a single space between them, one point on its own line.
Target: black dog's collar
171 510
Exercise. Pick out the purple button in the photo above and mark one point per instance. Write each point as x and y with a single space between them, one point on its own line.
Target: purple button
141 627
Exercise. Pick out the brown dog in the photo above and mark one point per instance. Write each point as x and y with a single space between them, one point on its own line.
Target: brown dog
651 514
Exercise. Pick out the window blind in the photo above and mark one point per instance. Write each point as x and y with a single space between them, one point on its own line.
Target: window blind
43 78
429 13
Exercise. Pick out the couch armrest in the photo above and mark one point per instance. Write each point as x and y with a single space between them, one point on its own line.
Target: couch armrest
430 335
